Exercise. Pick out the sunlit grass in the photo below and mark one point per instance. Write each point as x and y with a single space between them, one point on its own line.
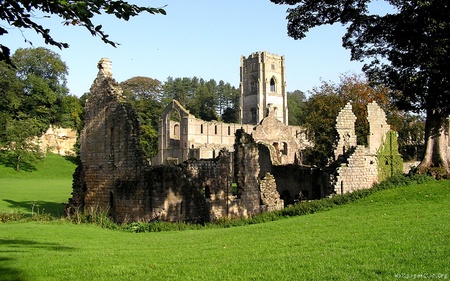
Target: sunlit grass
41 190
403 230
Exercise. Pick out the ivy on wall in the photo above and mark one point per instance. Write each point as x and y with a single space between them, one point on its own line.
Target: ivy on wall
390 162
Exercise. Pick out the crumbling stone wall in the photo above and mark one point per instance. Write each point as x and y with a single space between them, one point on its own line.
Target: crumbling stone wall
358 172
270 198
247 169
359 165
345 126
111 158
283 145
115 176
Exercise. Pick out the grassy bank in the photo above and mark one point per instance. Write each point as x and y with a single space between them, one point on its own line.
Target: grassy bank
393 234
43 189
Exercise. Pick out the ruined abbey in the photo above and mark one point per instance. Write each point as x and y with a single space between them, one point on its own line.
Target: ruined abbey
210 170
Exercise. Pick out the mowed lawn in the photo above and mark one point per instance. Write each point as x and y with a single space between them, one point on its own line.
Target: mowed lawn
397 234
44 189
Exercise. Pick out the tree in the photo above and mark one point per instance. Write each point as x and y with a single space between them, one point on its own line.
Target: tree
43 75
296 103
408 50
231 112
144 94
34 96
319 112
140 87
20 14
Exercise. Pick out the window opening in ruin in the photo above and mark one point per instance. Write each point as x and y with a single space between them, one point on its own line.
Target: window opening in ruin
214 154
272 85
277 150
111 200
286 196
181 207
201 129
234 189
207 192
284 151
229 130
342 187
176 131
253 88
215 129
253 114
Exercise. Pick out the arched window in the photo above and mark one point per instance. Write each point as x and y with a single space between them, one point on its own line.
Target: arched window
272 85
253 114
176 131
253 87
284 150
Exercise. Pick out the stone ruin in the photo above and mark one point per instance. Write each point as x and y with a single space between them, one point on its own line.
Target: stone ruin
58 140
115 176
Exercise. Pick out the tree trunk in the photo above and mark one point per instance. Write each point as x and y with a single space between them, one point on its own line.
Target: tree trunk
436 141
18 163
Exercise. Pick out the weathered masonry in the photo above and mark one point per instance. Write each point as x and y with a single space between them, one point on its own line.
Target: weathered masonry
263 94
209 170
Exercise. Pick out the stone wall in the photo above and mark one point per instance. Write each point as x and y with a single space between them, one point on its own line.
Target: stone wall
358 166
58 140
345 126
111 158
114 175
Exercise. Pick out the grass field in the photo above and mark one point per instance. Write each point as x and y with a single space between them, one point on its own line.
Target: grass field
42 190
395 234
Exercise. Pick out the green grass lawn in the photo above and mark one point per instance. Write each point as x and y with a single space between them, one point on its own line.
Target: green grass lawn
41 190
401 233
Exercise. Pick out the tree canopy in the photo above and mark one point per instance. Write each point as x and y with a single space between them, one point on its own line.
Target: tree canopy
407 49
144 94
34 96
21 14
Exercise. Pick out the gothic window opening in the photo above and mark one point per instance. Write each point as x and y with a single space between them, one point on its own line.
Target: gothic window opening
253 114
176 131
253 88
272 85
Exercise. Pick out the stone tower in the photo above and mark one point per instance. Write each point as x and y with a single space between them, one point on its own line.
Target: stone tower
263 88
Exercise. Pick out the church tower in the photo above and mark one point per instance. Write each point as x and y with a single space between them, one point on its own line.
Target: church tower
263 88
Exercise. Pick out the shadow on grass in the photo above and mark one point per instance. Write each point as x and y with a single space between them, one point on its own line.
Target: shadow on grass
18 245
74 159
8 273
24 166
13 246
37 207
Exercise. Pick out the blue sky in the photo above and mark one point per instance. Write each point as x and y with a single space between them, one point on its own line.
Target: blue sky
196 38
